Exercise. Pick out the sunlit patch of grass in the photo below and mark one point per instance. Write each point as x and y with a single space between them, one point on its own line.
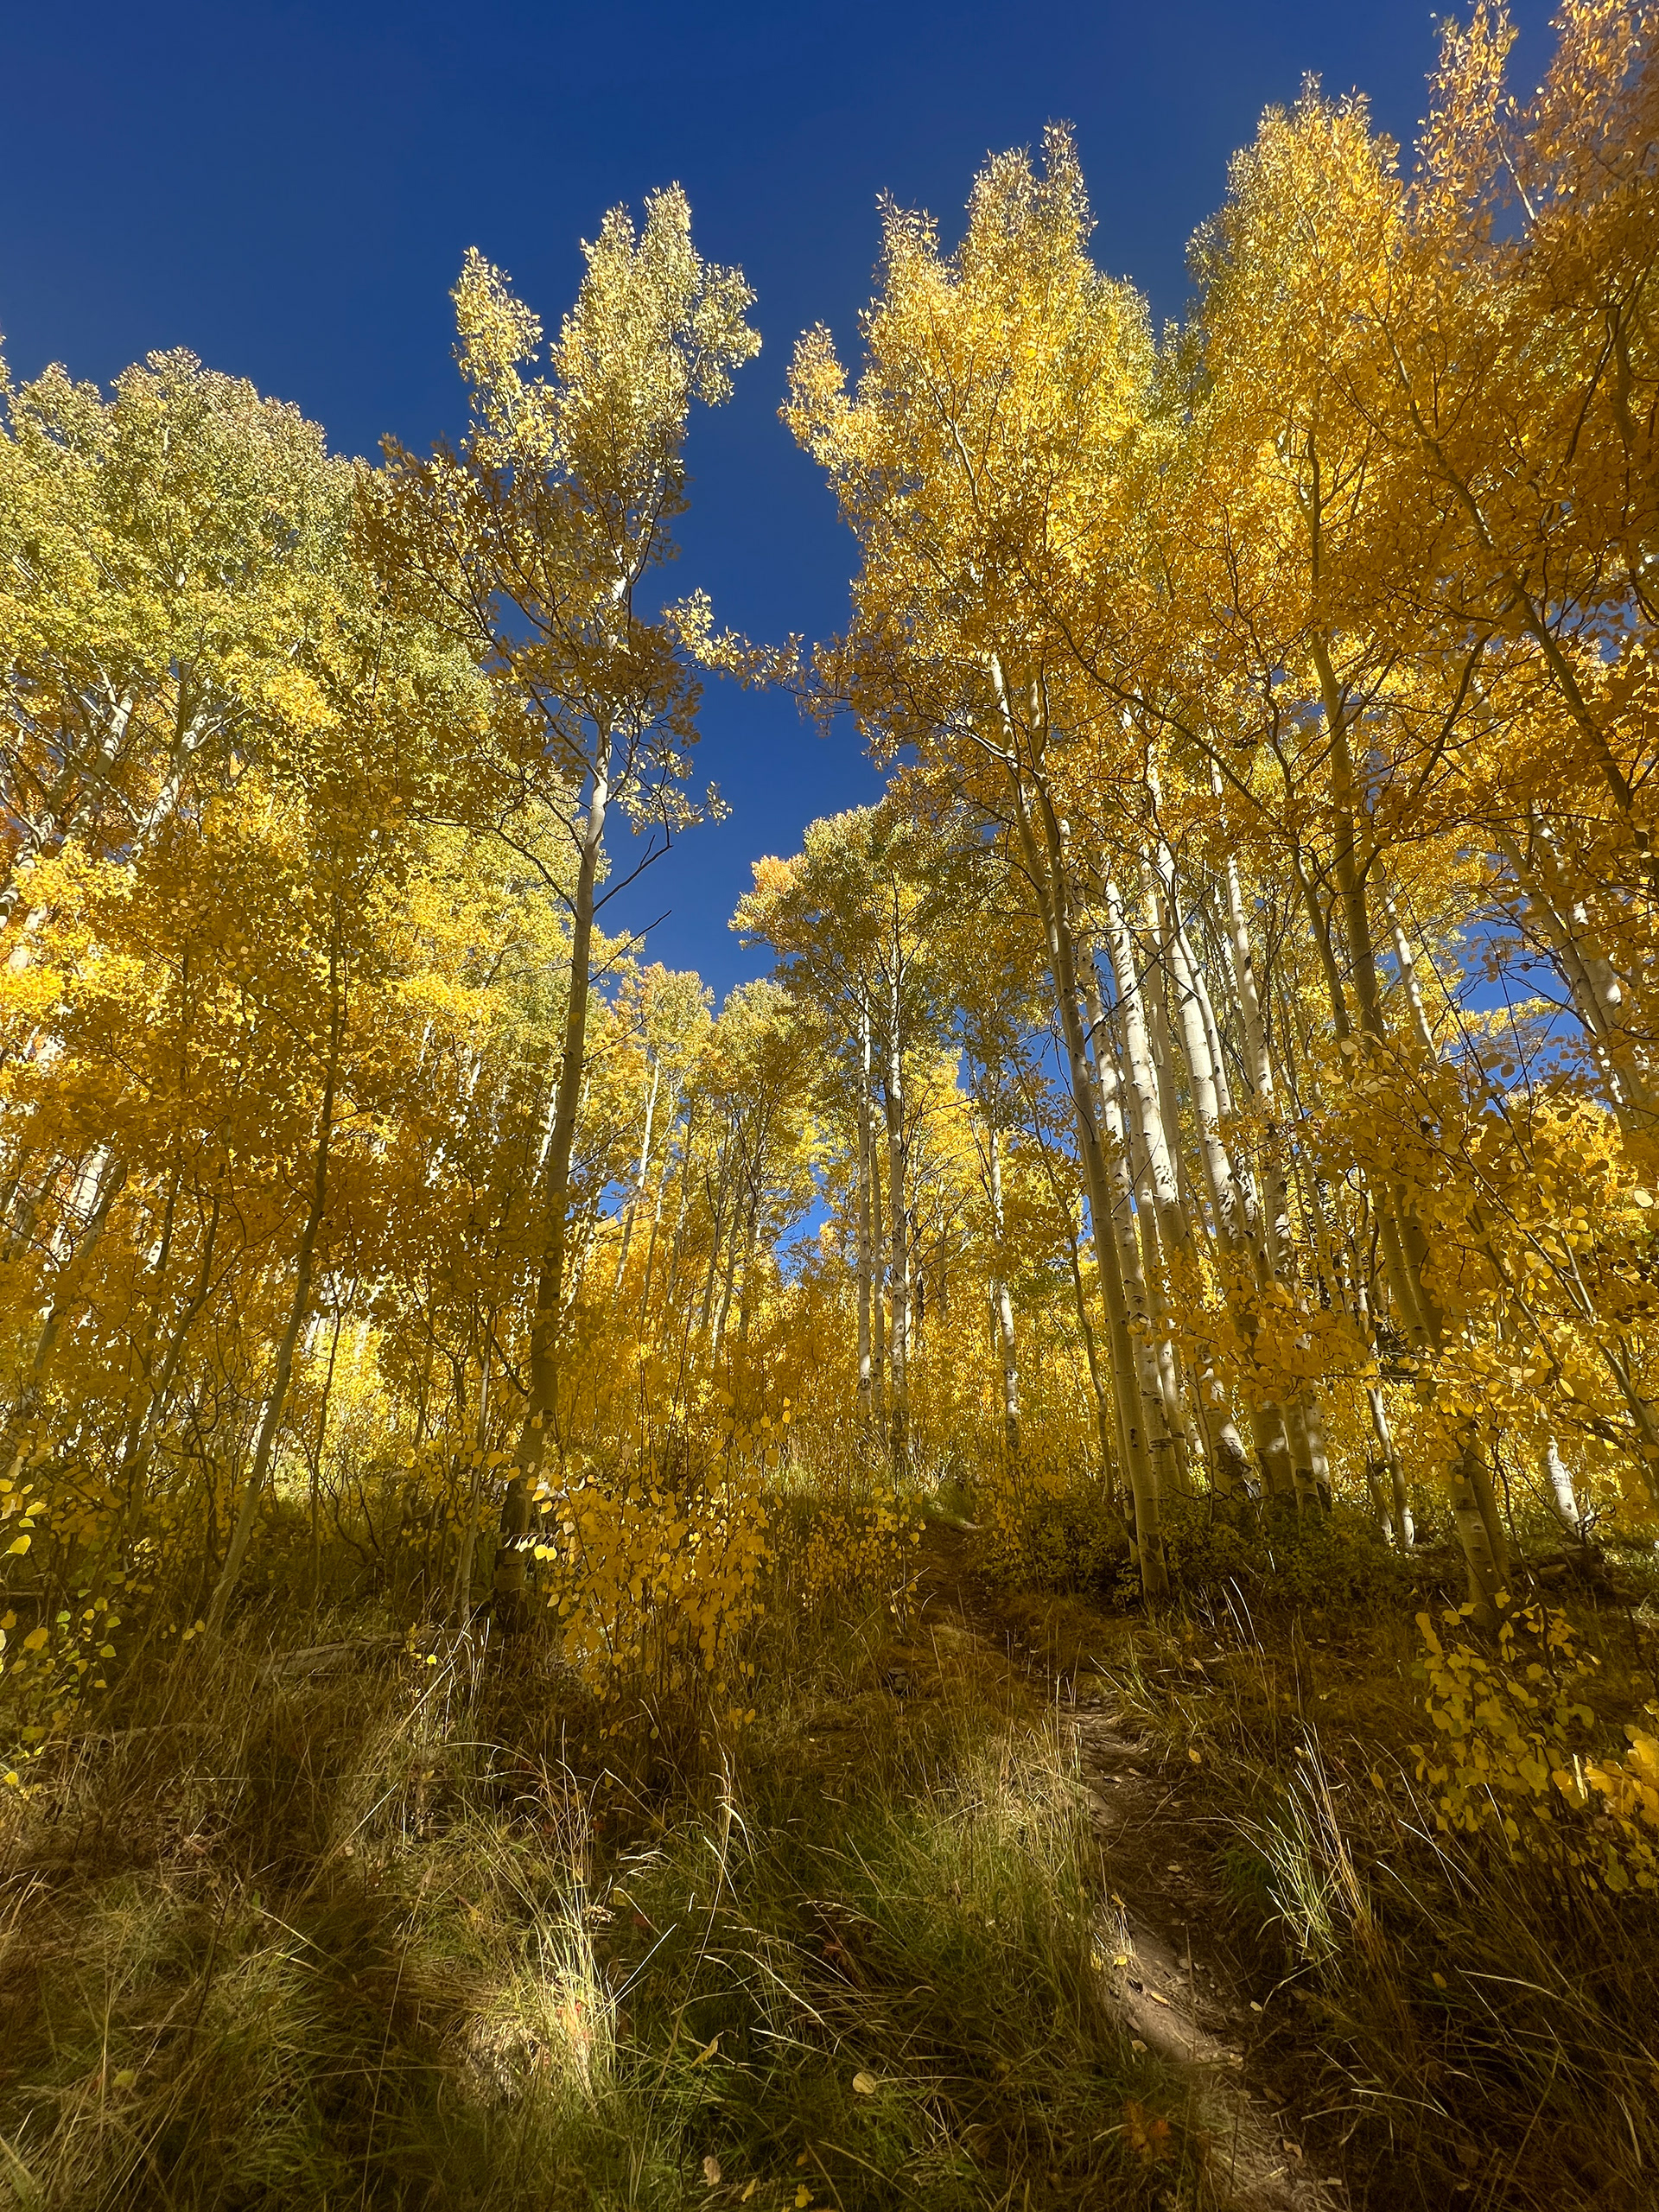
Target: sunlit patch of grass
898 1987
384 1933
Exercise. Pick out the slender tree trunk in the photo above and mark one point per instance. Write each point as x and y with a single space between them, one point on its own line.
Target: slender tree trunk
1601 998
1166 1430
899 1232
1245 1268
657 1216
547 1321
15 1451
135 1444
866 1247
741 1213
638 1189
1105 1410
878 1276
314 1486
1165 1226
1002 1304
1393 1507
1557 1489
1404 1241
1041 851
717 1235
461 1597
276 1396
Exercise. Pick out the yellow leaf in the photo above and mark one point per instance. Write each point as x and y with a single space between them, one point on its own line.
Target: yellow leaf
865 2085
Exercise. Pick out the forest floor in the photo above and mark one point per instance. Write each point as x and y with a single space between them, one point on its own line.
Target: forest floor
1006 1900
1360 2010
1180 1991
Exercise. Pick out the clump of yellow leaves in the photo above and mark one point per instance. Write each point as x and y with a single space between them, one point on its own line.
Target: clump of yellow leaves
1510 1763
44 1669
655 1586
860 1552
1040 1521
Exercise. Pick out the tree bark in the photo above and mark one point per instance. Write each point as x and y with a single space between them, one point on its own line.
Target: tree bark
1041 851
548 1320
1002 1304
276 1397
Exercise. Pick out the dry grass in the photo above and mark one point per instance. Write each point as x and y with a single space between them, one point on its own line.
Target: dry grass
393 1933
1458 2027
424 1925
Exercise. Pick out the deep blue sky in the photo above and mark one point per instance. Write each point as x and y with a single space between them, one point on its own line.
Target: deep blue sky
289 189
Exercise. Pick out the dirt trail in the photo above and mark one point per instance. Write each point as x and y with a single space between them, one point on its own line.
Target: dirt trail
1175 1987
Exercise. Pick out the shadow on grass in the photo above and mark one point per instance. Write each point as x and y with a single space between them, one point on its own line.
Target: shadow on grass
411 1934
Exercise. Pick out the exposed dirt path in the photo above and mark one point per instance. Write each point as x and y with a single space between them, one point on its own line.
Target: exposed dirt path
1174 1985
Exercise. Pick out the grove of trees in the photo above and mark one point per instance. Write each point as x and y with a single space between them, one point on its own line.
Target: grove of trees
1020 1567
1217 1083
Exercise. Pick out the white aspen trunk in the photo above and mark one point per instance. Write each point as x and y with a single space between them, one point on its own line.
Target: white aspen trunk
1166 1230
1042 851
1395 1513
1405 961
878 1277
638 1190
1151 1124
1165 1432
899 1232
1305 1411
1228 1197
1238 1226
1557 1489
1258 1060
1217 1051
1002 1304
865 1222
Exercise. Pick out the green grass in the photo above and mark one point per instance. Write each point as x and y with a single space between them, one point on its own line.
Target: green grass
454 1934
423 1935
1460 2027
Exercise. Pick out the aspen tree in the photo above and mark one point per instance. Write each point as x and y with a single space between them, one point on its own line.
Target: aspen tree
536 536
994 379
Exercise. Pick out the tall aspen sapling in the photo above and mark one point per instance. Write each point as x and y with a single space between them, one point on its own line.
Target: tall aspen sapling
535 537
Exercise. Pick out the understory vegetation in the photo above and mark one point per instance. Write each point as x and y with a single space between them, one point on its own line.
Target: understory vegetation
576 1564
400 1917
